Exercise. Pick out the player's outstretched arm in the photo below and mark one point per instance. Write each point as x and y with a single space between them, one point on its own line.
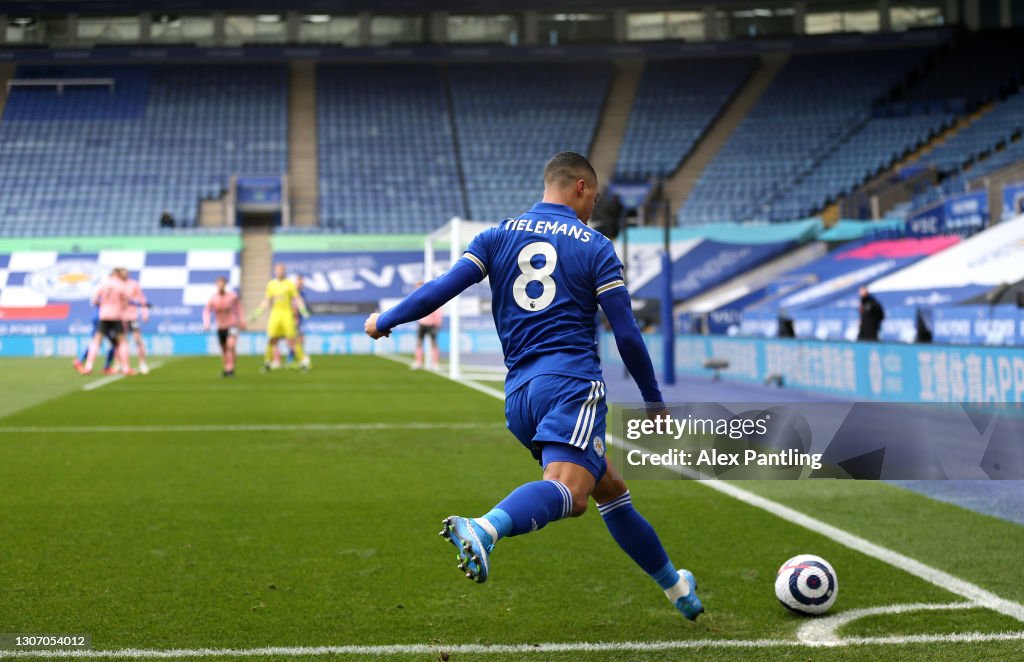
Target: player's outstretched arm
255 314
426 299
619 311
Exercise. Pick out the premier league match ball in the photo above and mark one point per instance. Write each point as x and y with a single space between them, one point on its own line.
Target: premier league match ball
807 585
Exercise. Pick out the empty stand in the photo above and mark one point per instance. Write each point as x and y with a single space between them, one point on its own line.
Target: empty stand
607 148
869 150
980 68
813 105
386 153
676 102
511 118
96 161
679 186
993 129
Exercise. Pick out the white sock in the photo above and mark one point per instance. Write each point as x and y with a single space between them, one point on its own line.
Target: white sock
680 590
488 527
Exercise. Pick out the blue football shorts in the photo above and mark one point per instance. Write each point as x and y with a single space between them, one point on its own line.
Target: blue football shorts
560 419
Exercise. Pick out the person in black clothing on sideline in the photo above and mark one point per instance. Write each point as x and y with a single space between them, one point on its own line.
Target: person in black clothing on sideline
871 316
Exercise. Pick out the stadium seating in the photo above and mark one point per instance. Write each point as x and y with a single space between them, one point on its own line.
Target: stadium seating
1011 153
815 104
992 129
991 142
387 160
867 151
980 68
99 161
512 117
676 101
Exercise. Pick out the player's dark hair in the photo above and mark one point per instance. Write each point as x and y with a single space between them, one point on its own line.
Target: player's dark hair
565 168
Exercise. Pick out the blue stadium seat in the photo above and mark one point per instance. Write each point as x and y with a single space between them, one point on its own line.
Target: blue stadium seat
511 118
676 101
92 161
815 106
386 154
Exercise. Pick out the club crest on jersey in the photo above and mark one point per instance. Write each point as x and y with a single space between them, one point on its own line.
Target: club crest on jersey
72 280
599 446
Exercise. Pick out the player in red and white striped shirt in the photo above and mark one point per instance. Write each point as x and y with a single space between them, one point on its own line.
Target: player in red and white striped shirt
136 300
112 298
225 307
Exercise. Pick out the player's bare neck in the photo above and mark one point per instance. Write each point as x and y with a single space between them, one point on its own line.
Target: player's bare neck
556 197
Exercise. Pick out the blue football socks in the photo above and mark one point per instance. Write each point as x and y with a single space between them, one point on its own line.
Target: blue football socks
638 539
528 508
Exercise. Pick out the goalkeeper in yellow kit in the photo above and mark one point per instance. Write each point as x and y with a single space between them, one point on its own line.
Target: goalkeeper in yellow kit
282 297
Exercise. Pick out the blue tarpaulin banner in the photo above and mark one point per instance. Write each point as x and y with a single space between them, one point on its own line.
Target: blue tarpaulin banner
1013 200
870 371
965 213
978 325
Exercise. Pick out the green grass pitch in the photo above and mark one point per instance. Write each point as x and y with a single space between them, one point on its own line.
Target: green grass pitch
302 510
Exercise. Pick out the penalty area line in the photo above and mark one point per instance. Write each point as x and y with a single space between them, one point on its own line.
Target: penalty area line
510 649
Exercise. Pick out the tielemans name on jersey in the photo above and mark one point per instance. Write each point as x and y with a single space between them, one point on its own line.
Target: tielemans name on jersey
574 230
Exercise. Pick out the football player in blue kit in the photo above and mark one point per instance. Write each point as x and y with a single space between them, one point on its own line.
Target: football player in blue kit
549 272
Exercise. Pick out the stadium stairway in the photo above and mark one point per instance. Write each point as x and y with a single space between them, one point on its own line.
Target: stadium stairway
604 151
680 184
256 256
213 213
302 144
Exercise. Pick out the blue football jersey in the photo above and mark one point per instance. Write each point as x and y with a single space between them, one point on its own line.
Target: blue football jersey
547 270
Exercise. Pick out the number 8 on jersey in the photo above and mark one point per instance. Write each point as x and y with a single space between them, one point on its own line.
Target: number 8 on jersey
530 274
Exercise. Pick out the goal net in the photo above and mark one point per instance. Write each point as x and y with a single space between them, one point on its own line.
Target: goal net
473 349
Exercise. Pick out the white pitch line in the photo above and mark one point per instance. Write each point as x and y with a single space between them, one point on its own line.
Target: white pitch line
940 578
110 379
486 390
825 629
254 427
103 381
510 649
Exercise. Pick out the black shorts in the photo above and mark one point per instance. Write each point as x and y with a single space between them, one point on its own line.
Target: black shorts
223 334
131 326
423 331
111 329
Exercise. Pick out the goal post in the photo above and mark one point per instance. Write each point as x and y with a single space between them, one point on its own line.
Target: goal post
456 235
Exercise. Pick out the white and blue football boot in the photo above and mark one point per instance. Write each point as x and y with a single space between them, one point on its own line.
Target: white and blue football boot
474 546
689 605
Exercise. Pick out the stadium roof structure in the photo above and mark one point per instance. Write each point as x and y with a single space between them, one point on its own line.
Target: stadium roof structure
112 7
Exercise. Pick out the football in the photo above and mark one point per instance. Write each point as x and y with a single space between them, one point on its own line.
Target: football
807 585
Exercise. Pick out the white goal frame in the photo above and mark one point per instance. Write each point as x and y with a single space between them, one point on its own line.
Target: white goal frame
457 233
